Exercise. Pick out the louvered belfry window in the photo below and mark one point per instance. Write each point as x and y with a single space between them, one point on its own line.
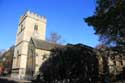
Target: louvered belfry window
36 27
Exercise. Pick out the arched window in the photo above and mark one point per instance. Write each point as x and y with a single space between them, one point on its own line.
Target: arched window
36 27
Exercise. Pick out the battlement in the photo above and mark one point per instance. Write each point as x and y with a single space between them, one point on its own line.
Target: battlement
34 16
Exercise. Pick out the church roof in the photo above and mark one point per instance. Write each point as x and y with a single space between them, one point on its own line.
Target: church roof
45 45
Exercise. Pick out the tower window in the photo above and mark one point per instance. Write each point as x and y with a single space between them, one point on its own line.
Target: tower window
35 27
21 28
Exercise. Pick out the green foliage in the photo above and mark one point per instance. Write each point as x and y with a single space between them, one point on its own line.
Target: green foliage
109 21
6 59
70 64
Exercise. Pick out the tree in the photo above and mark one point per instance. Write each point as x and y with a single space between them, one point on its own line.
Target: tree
54 37
70 64
7 59
1 52
109 21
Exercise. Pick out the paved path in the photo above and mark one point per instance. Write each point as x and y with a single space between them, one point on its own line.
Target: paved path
6 81
10 80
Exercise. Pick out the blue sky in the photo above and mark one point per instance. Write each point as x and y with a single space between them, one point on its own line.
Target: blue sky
64 17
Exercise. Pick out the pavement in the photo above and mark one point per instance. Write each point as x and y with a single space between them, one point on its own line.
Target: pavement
10 80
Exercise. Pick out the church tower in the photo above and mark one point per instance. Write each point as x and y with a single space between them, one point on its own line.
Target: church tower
30 25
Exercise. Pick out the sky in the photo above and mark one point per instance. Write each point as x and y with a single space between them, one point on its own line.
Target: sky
65 17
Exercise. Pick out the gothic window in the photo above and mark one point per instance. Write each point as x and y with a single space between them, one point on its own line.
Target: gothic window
21 28
36 27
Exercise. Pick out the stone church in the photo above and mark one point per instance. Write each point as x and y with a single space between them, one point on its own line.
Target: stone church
31 48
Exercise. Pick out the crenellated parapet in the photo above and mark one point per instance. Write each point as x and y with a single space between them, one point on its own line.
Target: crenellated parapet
34 16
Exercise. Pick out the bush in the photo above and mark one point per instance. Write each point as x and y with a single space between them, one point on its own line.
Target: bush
70 64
